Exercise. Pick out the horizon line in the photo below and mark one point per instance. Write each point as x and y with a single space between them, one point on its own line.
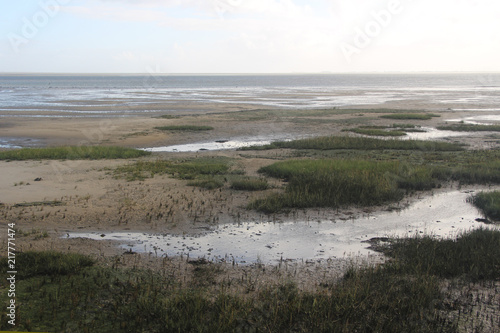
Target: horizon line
246 73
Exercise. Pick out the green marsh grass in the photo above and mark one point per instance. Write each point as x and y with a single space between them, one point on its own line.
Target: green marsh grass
410 116
341 183
187 128
208 183
473 256
372 179
470 128
359 143
249 184
72 153
488 203
182 169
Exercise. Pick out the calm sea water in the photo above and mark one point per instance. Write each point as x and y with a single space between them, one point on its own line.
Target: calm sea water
122 95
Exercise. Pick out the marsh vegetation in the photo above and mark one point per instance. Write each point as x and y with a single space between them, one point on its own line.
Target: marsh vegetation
185 128
71 292
488 203
72 153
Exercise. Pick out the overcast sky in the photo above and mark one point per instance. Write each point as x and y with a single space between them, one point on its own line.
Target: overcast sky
249 36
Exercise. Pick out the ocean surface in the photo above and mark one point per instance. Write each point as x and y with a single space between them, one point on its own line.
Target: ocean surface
132 95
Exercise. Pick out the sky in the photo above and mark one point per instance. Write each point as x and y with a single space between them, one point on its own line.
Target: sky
249 36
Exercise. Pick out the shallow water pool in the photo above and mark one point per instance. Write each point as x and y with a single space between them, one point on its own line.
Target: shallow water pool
442 215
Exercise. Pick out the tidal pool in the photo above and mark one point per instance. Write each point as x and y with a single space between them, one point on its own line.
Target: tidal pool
214 145
224 144
441 215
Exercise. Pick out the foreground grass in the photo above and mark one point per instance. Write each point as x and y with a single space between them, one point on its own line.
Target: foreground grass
488 203
72 153
68 292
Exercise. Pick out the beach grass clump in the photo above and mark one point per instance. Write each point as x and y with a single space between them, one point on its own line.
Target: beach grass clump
249 184
410 116
474 255
470 128
340 183
72 153
186 128
359 143
488 203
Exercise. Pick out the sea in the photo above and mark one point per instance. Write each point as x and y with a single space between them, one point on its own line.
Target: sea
135 95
